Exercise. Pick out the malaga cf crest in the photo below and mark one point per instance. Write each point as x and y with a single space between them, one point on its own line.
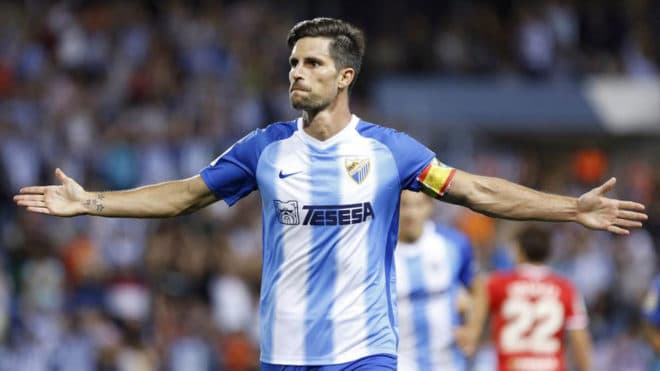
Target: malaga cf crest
358 168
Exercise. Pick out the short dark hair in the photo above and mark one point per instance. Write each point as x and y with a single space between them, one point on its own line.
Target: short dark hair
347 45
534 243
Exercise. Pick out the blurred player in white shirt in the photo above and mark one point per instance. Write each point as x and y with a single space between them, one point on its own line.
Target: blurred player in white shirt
434 263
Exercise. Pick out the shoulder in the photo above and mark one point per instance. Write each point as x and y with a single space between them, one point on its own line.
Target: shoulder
456 238
260 138
378 132
276 131
451 234
564 283
371 129
500 277
409 156
248 149
497 284
559 279
407 150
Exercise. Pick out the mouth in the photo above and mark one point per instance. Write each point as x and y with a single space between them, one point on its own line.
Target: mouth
297 88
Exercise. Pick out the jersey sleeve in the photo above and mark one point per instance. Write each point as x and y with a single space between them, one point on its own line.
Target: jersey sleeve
576 314
412 158
233 175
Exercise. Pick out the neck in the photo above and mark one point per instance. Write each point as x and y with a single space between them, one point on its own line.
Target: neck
524 261
327 122
411 235
408 239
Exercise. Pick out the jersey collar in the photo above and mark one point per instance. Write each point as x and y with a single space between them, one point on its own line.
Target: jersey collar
352 124
533 270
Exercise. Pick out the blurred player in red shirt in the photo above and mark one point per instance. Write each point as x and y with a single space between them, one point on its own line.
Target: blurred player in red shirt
532 307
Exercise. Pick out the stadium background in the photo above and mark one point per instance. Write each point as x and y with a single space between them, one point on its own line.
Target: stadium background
555 94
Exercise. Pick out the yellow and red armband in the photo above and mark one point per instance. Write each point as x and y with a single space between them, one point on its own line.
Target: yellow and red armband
436 178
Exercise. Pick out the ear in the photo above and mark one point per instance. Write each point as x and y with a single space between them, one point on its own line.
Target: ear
346 76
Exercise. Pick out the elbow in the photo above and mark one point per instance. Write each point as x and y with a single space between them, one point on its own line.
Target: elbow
177 208
192 204
183 208
481 198
485 199
188 201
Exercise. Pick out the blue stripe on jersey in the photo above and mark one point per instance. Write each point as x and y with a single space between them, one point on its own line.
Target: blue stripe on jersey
319 329
457 261
383 234
411 157
272 258
420 322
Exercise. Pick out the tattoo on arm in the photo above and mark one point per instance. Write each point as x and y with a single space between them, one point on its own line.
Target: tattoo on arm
95 203
99 202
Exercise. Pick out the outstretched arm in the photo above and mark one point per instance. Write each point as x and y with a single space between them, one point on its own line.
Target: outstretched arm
500 198
151 201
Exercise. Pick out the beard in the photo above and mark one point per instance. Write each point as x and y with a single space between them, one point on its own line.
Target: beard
308 103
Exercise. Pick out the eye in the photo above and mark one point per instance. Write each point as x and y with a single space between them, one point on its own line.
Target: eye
313 62
293 62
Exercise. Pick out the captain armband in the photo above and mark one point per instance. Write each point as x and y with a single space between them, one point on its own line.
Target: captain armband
436 178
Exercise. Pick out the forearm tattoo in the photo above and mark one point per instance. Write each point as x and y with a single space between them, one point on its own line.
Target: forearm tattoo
95 203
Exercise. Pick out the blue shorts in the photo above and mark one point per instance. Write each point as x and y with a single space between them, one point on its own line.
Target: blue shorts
378 362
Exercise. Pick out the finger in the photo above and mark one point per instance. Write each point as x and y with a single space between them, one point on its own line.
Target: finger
627 223
40 210
617 230
631 215
32 203
606 187
630 205
34 190
60 175
28 197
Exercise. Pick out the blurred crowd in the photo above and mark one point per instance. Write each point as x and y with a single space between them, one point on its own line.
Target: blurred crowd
547 39
125 93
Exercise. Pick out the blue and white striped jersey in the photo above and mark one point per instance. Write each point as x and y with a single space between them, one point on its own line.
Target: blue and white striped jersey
330 221
430 272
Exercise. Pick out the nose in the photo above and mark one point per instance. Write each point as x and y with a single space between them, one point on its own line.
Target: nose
296 72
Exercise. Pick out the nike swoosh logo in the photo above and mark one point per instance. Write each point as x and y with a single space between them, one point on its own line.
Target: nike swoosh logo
282 175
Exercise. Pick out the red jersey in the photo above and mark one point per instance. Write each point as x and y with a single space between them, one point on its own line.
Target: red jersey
531 307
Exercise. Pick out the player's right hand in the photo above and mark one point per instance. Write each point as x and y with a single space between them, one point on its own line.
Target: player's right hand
62 200
466 339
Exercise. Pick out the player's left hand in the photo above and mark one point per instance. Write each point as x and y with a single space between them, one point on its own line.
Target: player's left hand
596 211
